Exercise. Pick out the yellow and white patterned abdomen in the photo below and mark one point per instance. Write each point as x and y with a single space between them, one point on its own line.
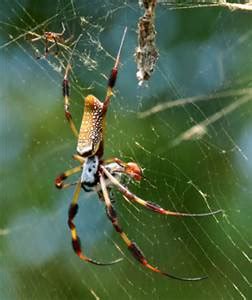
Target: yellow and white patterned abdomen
91 129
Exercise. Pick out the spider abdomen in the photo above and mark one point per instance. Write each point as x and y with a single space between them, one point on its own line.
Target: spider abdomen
91 129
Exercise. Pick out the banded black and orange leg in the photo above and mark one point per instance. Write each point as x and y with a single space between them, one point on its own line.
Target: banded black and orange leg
148 204
113 76
73 209
66 95
59 181
132 246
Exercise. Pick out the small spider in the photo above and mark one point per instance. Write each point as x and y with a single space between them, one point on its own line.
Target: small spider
50 37
101 175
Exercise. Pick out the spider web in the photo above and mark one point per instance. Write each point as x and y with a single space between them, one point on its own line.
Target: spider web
189 128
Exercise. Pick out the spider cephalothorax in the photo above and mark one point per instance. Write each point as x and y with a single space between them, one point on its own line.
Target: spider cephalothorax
101 175
89 175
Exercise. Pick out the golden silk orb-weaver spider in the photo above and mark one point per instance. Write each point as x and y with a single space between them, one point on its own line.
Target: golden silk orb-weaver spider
101 175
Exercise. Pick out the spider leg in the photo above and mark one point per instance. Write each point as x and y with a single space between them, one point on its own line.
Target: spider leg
46 47
57 47
66 94
73 209
46 50
36 39
148 204
132 246
59 35
131 169
50 48
69 39
114 159
63 29
55 43
59 181
113 76
79 158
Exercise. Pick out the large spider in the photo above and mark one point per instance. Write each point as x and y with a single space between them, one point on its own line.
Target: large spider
101 175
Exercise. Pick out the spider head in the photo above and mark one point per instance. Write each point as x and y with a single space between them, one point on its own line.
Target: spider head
133 170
